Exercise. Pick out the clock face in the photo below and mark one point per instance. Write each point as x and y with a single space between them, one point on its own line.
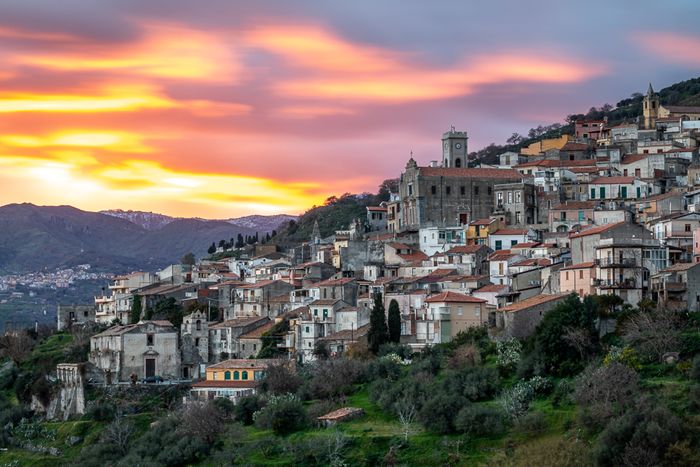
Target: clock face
446 145
458 145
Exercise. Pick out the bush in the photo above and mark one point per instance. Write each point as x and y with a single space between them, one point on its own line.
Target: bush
475 384
385 368
639 437
385 393
625 355
562 393
165 444
282 414
439 412
401 350
101 412
280 378
695 369
532 423
246 407
605 391
335 377
465 355
224 406
508 354
478 420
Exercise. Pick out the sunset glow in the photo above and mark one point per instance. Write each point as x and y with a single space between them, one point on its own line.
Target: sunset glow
238 110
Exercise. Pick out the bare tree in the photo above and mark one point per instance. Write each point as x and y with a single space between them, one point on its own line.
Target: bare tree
16 346
652 333
606 390
579 339
203 421
406 411
335 444
119 433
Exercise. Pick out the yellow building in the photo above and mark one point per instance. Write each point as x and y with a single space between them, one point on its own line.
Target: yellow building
478 231
538 147
232 379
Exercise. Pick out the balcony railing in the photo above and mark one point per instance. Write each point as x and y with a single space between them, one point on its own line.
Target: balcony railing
618 284
618 263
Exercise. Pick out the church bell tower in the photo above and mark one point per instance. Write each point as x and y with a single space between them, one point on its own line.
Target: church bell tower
650 109
454 148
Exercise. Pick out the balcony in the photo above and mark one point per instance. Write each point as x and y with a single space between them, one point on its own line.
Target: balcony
618 284
618 263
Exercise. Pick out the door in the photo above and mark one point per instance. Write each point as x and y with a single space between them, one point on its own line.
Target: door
150 367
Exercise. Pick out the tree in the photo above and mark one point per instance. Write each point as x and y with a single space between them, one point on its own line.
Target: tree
135 314
119 433
212 248
240 243
394 322
378 333
280 379
16 346
652 333
406 411
222 243
203 421
188 259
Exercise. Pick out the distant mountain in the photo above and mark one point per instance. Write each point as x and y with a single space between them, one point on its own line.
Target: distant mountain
262 224
155 221
33 238
147 220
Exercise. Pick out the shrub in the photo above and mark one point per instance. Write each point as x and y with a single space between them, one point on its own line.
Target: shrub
101 412
532 423
438 412
695 369
282 414
479 420
246 408
562 393
475 384
516 400
224 406
605 391
465 355
652 333
625 355
166 444
639 437
508 354
280 378
335 377
401 350
385 368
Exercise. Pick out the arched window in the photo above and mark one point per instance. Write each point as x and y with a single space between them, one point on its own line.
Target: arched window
227 375
244 375
236 375
458 162
199 325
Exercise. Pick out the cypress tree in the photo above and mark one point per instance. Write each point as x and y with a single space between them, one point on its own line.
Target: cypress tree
135 314
212 248
378 333
394 322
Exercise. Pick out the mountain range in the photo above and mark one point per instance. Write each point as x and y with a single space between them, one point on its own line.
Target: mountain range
34 238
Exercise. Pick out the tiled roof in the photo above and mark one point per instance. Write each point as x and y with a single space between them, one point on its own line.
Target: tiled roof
417 256
465 249
492 288
505 174
533 301
376 208
611 180
334 282
257 284
525 245
225 384
575 205
586 265
510 232
680 267
482 222
595 230
453 297
575 147
258 332
682 108
347 334
243 363
634 158
400 246
501 255
534 262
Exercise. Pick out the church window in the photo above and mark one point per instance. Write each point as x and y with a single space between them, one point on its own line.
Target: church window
448 190
149 339
433 189
410 189
462 190
199 325
458 162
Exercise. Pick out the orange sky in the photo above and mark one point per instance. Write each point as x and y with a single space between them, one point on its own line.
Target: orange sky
261 117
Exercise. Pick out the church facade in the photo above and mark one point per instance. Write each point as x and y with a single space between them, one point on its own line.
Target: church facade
653 110
451 194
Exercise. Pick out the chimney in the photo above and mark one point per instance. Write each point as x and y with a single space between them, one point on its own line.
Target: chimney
433 163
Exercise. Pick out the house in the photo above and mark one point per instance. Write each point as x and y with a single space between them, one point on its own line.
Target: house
223 337
478 231
677 287
499 266
118 304
517 202
619 188
232 379
503 239
439 239
660 205
520 319
469 260
495 294
68 316
376 218
344 288
257 299
589 129
676 230
571 215
447 314
249 344
146 349
338 342
578 278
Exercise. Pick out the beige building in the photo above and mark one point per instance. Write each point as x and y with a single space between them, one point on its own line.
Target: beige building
146 349
447 314
578 278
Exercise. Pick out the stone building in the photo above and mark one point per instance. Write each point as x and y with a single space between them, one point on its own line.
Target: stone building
521 318
146 349
67 316
196 325
445 196
517 202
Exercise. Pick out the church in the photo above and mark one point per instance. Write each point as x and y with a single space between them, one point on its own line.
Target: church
450 193
653 110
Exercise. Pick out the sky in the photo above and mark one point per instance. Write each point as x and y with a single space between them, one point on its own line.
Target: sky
222 108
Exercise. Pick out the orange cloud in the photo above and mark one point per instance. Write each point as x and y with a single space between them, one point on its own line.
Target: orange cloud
344 70
117 141
167 51
671 47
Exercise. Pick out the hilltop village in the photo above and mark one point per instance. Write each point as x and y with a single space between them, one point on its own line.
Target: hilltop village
609 210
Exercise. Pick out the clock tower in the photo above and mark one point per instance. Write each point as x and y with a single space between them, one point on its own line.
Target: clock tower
454 148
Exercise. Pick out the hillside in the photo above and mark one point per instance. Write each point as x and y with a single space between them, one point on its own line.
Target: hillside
38 237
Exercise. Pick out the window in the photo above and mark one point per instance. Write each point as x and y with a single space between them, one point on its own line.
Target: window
242 346
459 310
581 216
488 190
563 215
602 192
236 375
476 190
517 217
307 329
510 197
623 192
518 196
410 189
325 313
687 227
244 375
592 193
215 375
624 172
580 274
199 325
513 242
448 190
196 341
433 189
227 375
566 275
499 197
458 162
499 245
462 190
149 339
255 346
637 173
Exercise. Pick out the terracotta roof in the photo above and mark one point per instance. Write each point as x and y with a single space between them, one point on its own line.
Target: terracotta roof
500 255
453 297
258 332
376 208
324 302
334 282
595 230
532 301
575 205
225 384
582 170
417 256
400 246
611 180
258 284
525 245
534 262
506 174
510 232
680 267
482 222
244 363
634 158
464 249
575 147
347 334
586 265
341 414
491 288
663 196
